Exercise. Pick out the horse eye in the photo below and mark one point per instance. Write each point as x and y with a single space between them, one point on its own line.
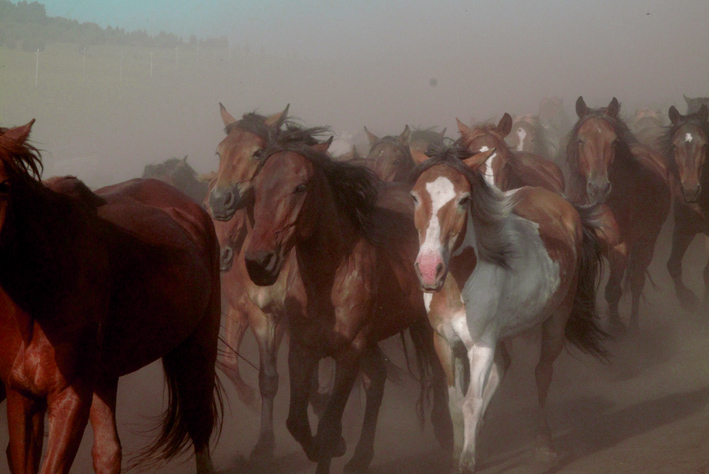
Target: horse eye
616 142
258 154
413 196
301 188
464 201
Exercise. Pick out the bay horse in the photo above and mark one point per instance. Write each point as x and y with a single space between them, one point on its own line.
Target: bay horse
353 241
685 146
608 165
507 169
180 174
94 286
389 156
523 259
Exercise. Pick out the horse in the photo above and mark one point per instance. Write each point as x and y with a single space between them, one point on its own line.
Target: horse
507 169
180 174
390 157
647 126
555 122
607 164
421 139
685 146
353 241
523 260
94 286
694 103
529 135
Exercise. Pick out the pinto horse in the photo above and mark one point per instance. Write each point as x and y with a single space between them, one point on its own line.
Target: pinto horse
507 169
608 165
685 146
353 242
180 174
529 135
390 157
523 260
92 287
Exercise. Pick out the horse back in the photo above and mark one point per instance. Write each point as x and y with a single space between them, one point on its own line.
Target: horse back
529 169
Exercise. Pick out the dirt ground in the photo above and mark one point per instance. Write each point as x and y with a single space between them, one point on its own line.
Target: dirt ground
646 412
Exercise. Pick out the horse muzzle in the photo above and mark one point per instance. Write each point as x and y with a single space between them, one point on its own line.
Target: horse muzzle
226 259
431 271
263 267
691 193
598 190
224 202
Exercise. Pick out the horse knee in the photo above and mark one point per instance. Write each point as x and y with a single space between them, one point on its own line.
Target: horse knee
268 384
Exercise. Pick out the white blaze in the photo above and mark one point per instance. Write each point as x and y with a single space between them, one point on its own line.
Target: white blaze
488 172
688 138
521 135
441 191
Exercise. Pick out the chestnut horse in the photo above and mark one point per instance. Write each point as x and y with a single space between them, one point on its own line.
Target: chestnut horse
523 260
529 135
92 287
390 157
685 145
507 169
608 165
353 246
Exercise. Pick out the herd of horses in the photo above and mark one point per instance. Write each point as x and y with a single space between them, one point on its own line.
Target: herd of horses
461 245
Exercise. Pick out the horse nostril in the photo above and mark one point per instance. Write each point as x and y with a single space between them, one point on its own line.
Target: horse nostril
439 270
228 199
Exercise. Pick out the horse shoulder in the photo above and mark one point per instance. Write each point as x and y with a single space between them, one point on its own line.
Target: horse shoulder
651 161
538 171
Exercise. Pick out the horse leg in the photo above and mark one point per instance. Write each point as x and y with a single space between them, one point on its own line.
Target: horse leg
374 367
25 423
235 328
328 440
706 276
264 328
681 238
640 258
455 372
497 374
68 415
106 452
618 261
301 364
481 358
551 346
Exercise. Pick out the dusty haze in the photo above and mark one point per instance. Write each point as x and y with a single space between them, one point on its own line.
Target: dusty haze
385 65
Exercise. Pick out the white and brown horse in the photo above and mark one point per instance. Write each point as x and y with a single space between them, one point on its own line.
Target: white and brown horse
522 260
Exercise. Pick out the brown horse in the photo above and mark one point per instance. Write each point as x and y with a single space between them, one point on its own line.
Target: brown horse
95 286
507 169
421 139
523 260
647 126
390 157
685 145
354 288
180 174
607 164
694 103
529 135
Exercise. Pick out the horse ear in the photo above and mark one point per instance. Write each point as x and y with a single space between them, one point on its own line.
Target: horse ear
703 113
613 108
674 114
405 135
184 160
581 107
322 147
462 128
372 137
504 126
226 116
20 134
276 120
478 159
686 99
443 133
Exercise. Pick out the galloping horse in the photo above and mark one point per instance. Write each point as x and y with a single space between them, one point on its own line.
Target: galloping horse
92 287
529 135
523 260
507 169
390 157
607 164
647 127
685 145
353 245
180 174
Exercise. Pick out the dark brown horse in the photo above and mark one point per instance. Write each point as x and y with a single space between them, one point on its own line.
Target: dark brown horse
607 164
180 174
355 285
506 169
390 157
685 145
92 287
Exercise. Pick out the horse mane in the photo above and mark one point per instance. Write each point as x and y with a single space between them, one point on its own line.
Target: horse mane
177 167
665 142
425 135
478 130
22 158
489 210
624 159
354 187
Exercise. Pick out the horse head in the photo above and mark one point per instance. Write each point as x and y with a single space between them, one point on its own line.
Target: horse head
687 142
486 137
390 157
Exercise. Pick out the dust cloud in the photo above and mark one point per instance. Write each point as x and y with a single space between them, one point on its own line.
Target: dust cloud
647 411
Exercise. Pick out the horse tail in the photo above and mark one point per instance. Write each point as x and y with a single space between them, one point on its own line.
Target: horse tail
583 329
425 353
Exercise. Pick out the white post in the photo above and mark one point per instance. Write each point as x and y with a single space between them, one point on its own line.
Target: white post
36 69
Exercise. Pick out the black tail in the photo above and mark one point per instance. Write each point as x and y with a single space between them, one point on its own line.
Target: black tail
583 329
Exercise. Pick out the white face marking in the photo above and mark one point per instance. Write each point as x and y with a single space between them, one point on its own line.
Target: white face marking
688 138
488 172
441 191
521 135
